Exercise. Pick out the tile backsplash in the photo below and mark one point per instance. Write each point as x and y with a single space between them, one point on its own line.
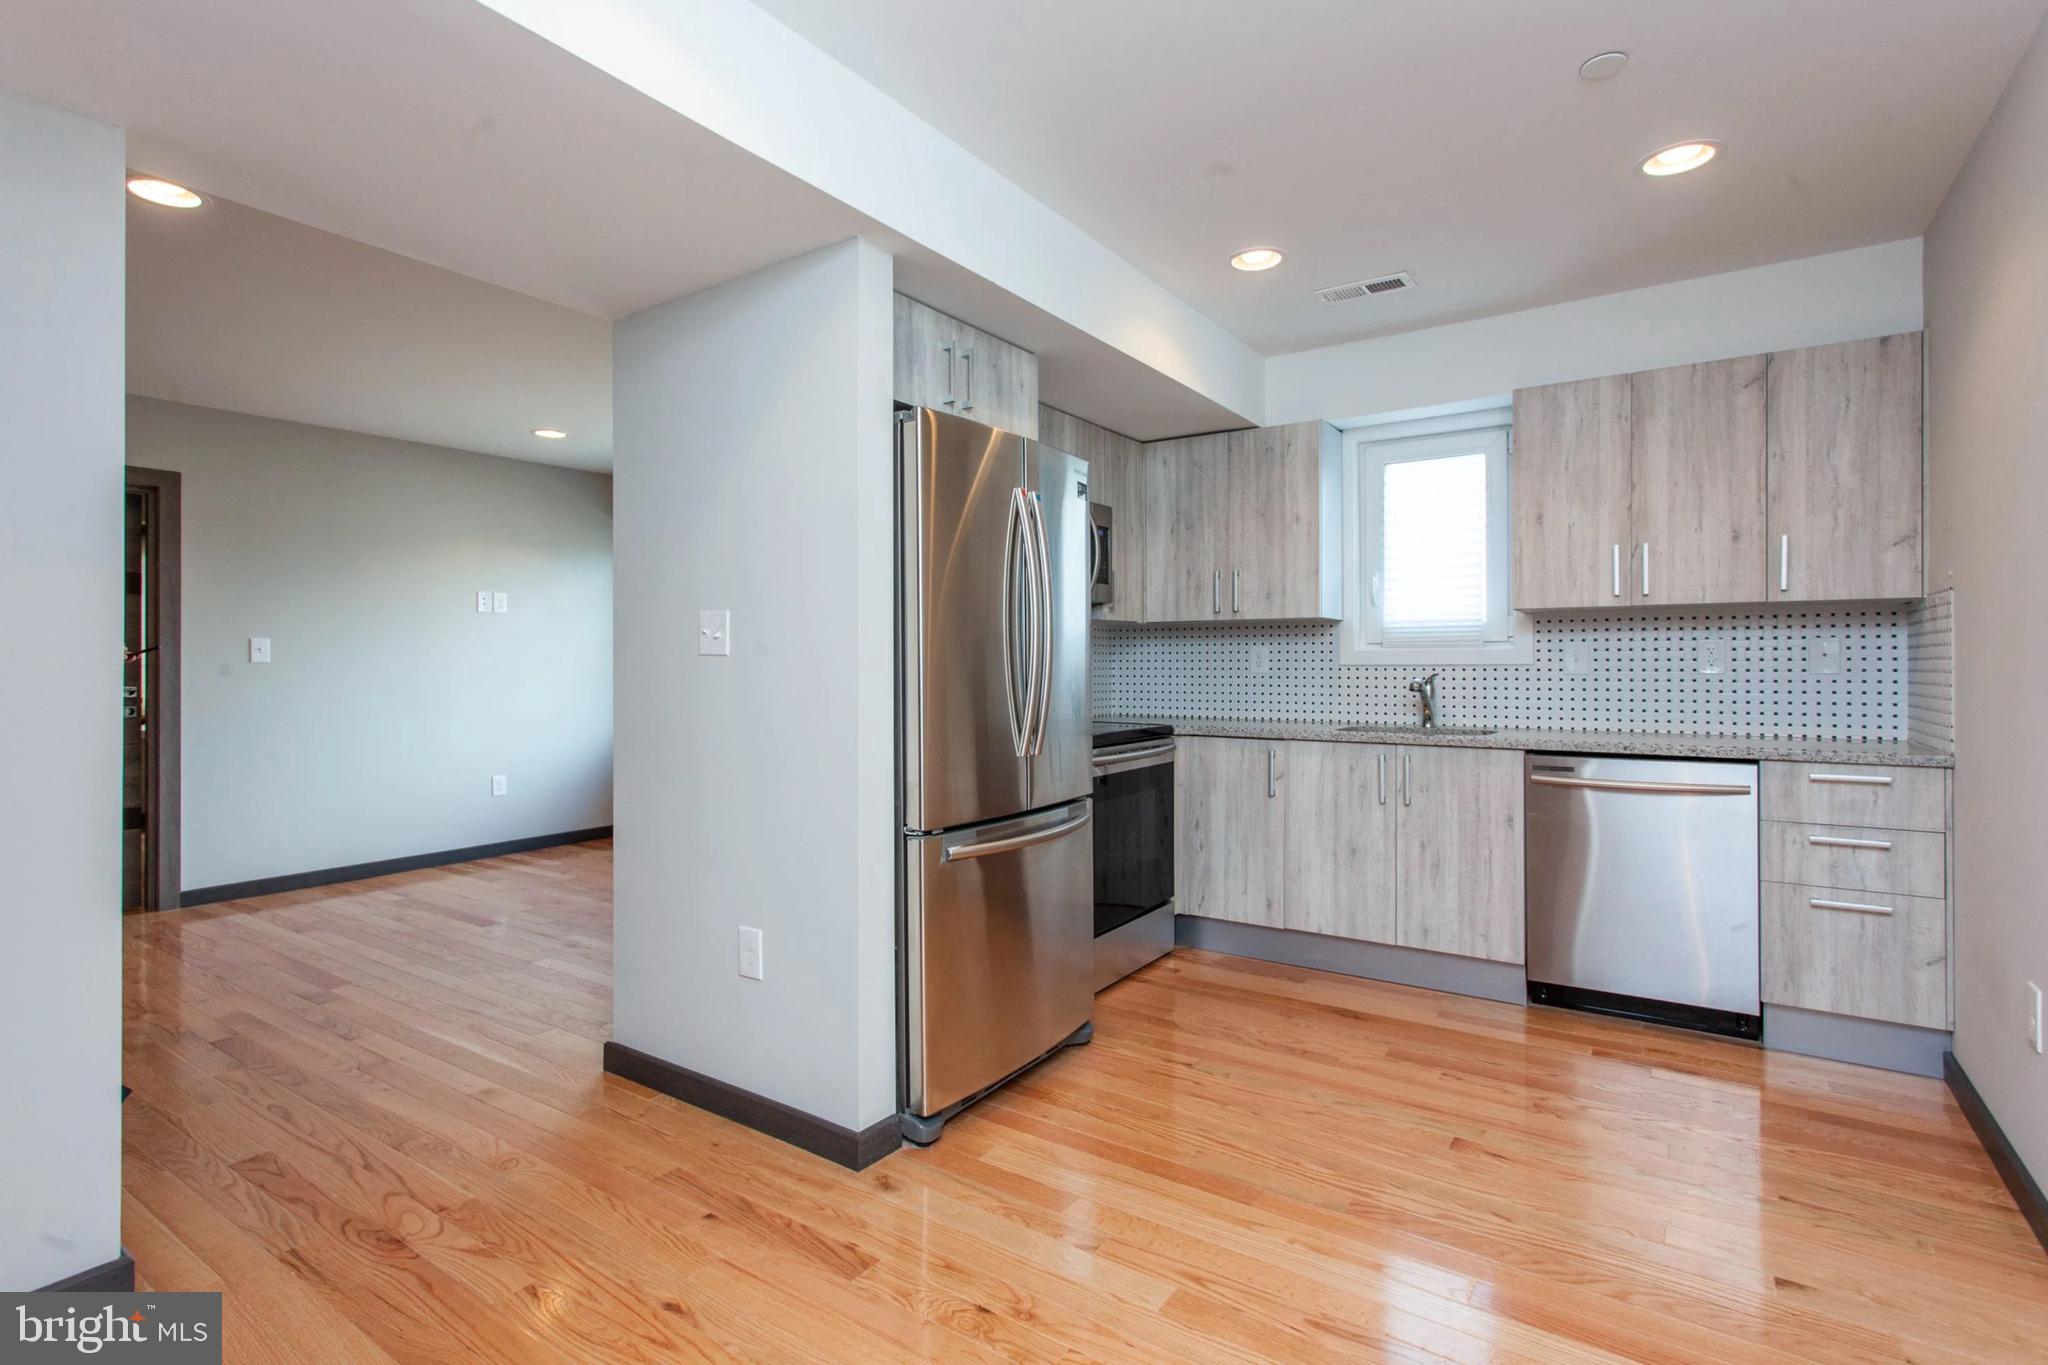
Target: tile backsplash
1894 678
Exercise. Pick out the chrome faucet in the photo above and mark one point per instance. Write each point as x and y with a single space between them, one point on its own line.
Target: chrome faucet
1425 688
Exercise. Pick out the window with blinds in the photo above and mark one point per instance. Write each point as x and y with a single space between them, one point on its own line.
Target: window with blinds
1432 527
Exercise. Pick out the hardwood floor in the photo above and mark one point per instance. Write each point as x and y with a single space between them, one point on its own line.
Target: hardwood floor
374 1116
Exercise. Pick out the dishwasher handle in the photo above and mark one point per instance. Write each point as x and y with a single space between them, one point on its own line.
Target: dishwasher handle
1643 786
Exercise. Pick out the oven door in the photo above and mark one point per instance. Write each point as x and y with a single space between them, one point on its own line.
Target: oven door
1133 832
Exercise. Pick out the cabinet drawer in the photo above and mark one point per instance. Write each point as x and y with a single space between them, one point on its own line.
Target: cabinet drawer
1853 794
1908 862
1872 954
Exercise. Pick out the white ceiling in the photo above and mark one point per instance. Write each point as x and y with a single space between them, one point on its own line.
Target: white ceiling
232 308
1454 141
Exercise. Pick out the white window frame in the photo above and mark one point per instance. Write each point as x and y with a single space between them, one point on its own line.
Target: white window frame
1367 450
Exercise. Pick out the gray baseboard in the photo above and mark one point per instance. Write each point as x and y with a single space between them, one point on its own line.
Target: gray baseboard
855 1150
355 872
1504 981
2005 1158
1866 1042
114 1277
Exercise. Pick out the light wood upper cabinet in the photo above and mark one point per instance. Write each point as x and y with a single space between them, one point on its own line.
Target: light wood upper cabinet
1244 526
1187 511
1572 540
1460 852
1340 815
1843 471
1116 479
1697 504
944 363
1229 830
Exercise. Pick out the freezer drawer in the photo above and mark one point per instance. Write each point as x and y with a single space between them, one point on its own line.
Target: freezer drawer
1642 884
999 937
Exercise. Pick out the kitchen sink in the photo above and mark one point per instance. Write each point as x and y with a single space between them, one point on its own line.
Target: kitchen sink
1419 730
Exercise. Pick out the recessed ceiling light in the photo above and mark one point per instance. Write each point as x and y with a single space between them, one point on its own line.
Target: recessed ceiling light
1602 65
550 434
1257 258
1680 157
163 192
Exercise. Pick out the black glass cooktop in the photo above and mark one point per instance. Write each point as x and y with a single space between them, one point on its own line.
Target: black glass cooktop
1111 733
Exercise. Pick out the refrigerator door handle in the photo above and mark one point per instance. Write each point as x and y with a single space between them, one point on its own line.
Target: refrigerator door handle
1042 646
1012 535
1010 843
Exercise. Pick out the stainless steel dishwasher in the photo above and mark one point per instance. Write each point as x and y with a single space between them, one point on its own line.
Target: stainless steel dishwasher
1642 890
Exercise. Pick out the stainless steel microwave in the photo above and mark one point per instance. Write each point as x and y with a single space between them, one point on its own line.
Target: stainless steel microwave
1101 557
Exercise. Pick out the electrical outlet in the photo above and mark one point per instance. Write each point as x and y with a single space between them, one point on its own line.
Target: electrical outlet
498 784
483 600
501 602
1578 657
2034 1018
1825 655
750 953
1262 659
714 632
1713 656
259 649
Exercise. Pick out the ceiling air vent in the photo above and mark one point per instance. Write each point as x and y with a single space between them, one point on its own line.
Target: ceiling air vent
1358 289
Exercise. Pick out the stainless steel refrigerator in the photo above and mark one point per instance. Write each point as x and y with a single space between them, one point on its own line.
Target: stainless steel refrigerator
996 758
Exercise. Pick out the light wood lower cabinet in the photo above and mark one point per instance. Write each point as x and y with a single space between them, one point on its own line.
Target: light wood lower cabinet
1418 846
1460 852
1873 954
1339 846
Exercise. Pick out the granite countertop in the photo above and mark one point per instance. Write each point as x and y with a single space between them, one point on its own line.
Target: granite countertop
1900 755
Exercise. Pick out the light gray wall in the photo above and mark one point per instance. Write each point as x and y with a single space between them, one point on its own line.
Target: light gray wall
754 463
61 290
1987 350
389 701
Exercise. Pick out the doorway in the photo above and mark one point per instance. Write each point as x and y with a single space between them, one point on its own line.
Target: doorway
149 694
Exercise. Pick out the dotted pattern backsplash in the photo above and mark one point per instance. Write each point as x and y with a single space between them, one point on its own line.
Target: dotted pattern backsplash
1931 671
1645 675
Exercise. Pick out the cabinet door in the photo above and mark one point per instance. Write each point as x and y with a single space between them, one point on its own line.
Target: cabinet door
1571 490
1697 504
1274 565
926 340
1186 515
1340 815
998 382
1460 860
1843 471
1228 830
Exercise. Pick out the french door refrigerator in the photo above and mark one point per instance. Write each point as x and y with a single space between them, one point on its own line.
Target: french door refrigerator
996 758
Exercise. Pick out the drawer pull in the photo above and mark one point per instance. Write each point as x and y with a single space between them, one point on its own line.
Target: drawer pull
1829 841
1857 906
1851 779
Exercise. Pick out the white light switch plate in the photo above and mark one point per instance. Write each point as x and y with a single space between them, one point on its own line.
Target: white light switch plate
1825 655
259 649
750 953
483 599
501 602
498 784
1578 657
714 632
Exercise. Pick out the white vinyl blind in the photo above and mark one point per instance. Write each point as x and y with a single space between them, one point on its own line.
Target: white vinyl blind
1434 571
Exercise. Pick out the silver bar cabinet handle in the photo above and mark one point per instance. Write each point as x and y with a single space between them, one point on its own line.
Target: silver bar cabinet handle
1829 841
1784 563
1272 772
1236 597
1216 593
968 358
947 351
1617 569
1857 906
1405 796
1383 776
1646 568
1851 779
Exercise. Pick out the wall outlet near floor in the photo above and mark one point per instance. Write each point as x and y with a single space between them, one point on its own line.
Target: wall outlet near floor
750 953
498 784
259 649
483 600
714 632
2034 1018
1578 657
1825 655
1713 657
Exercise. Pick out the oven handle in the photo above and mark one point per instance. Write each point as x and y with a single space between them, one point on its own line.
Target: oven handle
1125 760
